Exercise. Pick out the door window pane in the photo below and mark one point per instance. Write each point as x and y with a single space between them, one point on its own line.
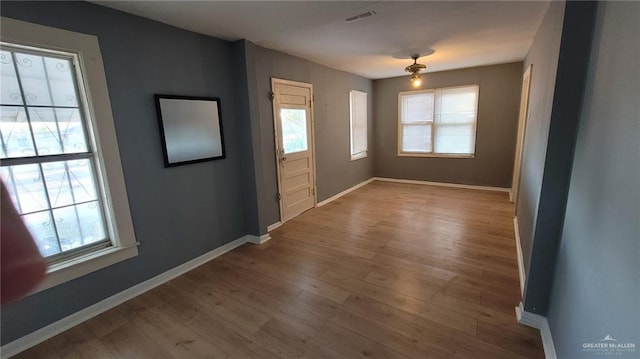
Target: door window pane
294 130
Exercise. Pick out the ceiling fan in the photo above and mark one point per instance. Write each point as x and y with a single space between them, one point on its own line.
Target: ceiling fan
414 69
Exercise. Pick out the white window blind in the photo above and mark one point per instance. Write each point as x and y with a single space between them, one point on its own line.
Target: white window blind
438 122
358 105
417 122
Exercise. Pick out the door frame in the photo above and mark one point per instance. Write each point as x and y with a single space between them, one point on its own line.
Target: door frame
522 126
274 81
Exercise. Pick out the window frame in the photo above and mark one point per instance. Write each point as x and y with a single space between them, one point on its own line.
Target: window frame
95 103
401 153
361 154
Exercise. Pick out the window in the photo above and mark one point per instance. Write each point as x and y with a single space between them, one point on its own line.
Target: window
438 123
358 109
68 190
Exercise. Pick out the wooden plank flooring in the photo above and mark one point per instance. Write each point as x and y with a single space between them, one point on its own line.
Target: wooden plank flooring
387 271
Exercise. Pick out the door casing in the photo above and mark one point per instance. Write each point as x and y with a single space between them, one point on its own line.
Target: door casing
311 121
522 124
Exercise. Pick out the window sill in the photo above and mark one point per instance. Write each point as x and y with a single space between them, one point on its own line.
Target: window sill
358 156
79 266
434 155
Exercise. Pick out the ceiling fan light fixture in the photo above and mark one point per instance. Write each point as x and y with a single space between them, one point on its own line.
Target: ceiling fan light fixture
414 69
416 79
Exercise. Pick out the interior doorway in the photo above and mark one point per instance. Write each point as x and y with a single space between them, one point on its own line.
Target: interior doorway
295 150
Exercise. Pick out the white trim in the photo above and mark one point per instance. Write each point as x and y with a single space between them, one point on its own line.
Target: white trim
274 226
275 105
437 155
94 99
257 239
442 184
353 94
521 271
79 266
334 197
32 339
541 323
436 92
359 155
522 125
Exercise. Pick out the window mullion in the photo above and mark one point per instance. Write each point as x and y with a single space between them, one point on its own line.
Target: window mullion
35 147
24 101
433 136
73 198
433 122
83 107
55 114
11 183
45 159
50 210
3 143
15 189
33 139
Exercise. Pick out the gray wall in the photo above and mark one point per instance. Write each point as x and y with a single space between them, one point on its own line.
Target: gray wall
248 168
543 55
178 213
334 169
498 106
575 45
596 286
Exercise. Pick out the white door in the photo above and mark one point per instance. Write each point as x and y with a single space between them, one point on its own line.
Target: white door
292 107
522 122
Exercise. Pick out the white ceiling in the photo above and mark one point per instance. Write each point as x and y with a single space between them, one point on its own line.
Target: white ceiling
463 34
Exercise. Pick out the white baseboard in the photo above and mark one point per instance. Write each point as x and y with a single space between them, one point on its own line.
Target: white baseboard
351 189
40 335
274 226
541 323
443 184
521 271
258 239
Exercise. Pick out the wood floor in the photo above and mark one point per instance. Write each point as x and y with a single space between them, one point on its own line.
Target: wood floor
387 271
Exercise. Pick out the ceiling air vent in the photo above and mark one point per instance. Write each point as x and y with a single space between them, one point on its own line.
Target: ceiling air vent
361 16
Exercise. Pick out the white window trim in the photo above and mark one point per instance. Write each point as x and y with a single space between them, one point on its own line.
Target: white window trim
359 155
362 154
119 222
402 153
